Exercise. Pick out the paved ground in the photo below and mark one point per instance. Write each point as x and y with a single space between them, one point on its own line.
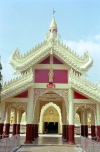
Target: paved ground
47 149
48 143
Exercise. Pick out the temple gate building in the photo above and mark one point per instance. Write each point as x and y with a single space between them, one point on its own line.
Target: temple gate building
51 90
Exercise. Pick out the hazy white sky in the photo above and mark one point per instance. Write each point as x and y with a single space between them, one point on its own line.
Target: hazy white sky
24 23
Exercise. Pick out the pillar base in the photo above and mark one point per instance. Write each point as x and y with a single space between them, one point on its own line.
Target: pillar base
1 130
28 142
82 130
93 134
33 132
18 129
28 134
14 129
71 143
71 135
86 130
62 131
7 128
98 133
66 133
37 131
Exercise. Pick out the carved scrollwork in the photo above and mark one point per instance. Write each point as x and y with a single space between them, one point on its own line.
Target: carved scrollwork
16 105
62 92
80 105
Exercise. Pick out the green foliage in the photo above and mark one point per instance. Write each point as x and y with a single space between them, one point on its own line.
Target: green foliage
0 76
0 66
0 86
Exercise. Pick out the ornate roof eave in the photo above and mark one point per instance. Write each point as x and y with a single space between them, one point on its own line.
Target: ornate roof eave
80 64
84 86
17 85
21 63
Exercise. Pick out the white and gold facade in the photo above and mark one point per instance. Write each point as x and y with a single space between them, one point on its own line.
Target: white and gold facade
51 89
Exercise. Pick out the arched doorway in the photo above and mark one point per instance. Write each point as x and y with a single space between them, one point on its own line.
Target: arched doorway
50 119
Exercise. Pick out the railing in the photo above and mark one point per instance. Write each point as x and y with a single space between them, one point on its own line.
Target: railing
89 145
10 143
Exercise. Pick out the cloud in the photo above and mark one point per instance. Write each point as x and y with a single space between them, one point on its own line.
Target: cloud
93 48
81 46
97 37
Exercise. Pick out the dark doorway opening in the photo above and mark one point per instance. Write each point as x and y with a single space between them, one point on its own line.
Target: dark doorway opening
51 127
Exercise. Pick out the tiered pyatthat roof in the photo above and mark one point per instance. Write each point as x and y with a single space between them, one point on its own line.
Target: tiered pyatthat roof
54 46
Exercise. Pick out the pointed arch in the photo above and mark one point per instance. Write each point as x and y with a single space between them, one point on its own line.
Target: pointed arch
44 108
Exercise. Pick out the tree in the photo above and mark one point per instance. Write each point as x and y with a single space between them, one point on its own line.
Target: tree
0 80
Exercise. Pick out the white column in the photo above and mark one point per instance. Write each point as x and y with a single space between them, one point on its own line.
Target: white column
30 106
92 117
36 115
82 117
2 109
8 115
98 113
85 117
15 116
71 107
18 117
64 113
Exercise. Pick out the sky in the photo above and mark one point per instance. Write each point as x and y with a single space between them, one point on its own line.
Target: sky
24 24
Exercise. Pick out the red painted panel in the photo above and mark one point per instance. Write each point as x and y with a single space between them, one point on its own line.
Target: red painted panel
22 95
46 61
56 61
79 96
41 76
60 76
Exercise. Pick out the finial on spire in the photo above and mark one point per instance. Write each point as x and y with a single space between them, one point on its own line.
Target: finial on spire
53 11
53 35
